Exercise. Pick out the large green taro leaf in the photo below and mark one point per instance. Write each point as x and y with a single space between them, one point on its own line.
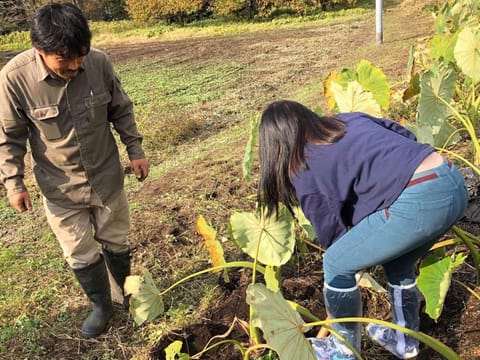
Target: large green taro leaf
375 81
442 47
467 52
437 88
270 240
437 135
354 98
434 280
281 325
146 303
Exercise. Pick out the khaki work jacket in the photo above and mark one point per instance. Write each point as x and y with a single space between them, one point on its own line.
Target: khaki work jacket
68 126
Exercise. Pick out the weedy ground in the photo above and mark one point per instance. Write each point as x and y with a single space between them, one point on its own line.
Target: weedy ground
194 96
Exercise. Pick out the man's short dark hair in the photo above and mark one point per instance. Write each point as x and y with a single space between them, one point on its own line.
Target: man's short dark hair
61 28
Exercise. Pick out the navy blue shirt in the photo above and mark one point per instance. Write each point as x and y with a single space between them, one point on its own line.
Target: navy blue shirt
365 171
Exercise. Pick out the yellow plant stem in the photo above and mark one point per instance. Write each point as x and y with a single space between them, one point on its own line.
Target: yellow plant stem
254 335
233 264
468 289
471 247
444 243
229 341
474 167
470 129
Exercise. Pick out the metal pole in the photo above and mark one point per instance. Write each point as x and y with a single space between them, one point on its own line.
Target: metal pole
379 21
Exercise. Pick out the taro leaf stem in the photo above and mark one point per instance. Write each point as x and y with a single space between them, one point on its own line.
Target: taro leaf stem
471 247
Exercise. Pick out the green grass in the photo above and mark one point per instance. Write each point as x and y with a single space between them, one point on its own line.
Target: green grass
166 98
179 86
32 260
6 211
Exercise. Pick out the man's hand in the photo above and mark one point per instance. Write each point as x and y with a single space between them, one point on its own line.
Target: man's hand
20 201
140 168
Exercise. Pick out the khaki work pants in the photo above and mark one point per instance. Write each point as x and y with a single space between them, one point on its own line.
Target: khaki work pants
80 231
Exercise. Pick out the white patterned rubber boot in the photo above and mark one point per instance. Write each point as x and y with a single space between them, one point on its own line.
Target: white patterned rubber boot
340 303
405 309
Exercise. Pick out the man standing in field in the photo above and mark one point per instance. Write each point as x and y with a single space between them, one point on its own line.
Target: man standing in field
64 98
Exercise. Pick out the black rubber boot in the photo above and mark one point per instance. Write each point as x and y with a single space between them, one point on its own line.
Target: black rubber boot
94 281
119 266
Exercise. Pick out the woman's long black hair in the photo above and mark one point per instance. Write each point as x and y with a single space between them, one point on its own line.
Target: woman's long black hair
286 127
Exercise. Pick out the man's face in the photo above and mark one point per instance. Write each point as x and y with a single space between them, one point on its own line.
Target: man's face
65 68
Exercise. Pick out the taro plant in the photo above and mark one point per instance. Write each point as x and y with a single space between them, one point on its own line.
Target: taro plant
437 268
268 241
447 83
447 98
449 95
435 278
364 89
447 88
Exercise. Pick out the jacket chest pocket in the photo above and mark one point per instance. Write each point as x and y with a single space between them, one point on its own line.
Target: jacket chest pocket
46 120
97 108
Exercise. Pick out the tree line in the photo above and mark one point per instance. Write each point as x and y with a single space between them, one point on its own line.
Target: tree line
15 14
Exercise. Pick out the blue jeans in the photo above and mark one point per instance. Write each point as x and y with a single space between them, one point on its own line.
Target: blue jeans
397 237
